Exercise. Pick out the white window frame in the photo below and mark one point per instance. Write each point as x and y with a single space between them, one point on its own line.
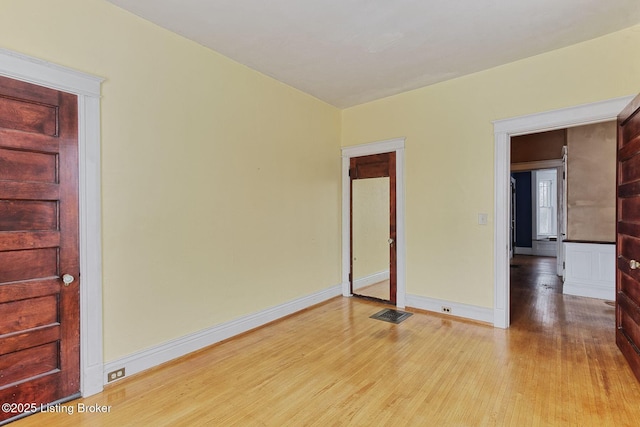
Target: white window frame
540 176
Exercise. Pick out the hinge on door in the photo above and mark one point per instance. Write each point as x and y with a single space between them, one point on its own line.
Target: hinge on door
353 173
563 265
349 277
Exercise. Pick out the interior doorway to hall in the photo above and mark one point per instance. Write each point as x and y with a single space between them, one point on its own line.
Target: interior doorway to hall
538 214
563 206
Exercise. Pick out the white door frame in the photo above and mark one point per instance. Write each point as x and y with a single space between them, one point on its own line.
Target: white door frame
392 145
87 88
503 131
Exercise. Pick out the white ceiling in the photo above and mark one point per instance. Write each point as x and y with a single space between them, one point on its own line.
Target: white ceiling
347 52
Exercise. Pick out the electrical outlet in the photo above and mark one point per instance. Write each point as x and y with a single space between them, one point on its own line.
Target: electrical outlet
115 375
446 310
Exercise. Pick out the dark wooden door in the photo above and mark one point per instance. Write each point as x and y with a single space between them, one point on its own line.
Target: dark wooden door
628 236
39 313
378 166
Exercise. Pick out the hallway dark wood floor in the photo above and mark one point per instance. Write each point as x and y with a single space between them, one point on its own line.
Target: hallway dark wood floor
536 290
537 302
331 365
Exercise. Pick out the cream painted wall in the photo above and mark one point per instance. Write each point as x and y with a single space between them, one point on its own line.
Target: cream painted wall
221 186
370 226
449 151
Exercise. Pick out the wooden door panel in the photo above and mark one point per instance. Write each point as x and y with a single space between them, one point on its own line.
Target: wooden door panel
628 236
28 116
19 165
627 209
628 286
39 360
373 166
12 139
630 169
629 247
23 340
18 240
630 134
29 289
28 265
40 386
28 314
630 316
14 190
39 316
27 215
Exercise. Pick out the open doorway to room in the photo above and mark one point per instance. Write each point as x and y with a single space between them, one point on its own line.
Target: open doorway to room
538 162
564 217
537 214
504 130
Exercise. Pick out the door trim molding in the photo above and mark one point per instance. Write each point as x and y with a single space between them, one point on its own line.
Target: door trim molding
378 147
87 87
503 131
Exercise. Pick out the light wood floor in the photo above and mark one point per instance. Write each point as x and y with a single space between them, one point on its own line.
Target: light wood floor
332 365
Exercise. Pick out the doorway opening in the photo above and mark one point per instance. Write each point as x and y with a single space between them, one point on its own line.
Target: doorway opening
396 147
575 232
373 227
503 131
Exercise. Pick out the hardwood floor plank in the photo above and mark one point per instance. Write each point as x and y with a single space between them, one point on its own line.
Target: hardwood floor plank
332 365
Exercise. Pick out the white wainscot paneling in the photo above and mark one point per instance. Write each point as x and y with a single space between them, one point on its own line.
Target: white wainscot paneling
590 270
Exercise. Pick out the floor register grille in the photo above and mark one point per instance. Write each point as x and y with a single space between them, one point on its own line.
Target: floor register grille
391 316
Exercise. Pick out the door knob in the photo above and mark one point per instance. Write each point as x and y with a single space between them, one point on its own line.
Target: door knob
391 242
68 279
633 264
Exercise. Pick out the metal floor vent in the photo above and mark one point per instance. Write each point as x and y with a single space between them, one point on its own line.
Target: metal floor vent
391 316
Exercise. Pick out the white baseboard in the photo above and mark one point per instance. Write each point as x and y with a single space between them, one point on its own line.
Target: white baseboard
371 279
466 311
538 249
545 248
178 347
590 291
523 251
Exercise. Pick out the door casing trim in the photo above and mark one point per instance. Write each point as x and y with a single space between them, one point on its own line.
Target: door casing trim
87 88
595 112
386 146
